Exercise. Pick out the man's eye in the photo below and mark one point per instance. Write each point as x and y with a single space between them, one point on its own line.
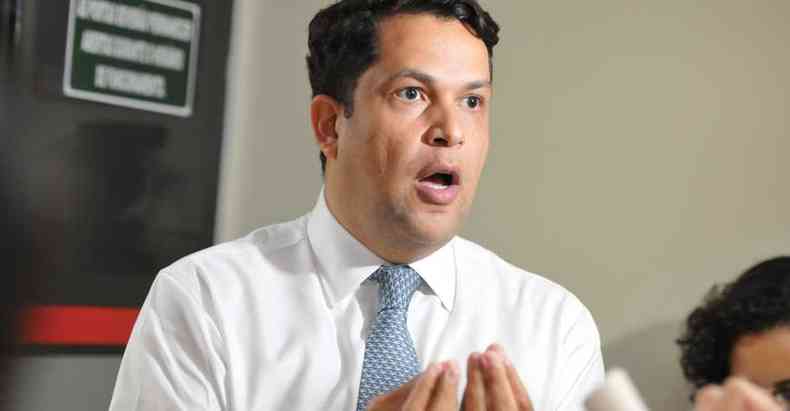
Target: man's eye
472 101
409 94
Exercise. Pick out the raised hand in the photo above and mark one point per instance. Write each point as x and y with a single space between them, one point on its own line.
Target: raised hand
433 390
493 383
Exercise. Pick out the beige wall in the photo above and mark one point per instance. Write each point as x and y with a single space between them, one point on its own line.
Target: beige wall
639 152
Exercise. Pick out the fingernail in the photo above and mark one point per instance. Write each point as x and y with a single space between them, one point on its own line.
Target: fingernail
498 348
451 373
453 365
496 359
485 360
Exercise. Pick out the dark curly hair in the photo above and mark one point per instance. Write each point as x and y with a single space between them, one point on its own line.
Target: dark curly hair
757 301
343 40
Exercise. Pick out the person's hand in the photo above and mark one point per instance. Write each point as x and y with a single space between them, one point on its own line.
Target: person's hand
736 394
433 390
493 384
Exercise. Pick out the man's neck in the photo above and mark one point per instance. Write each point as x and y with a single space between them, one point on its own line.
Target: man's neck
392 249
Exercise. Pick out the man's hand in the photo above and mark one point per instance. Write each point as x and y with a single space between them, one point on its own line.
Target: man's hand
736 394
433 390
493 384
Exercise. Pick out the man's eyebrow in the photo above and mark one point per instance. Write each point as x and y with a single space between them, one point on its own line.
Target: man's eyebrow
415 74
474 85
429 79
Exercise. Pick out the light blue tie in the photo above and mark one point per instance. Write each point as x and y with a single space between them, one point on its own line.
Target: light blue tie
390 358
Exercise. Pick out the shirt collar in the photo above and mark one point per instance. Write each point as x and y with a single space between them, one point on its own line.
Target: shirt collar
344 263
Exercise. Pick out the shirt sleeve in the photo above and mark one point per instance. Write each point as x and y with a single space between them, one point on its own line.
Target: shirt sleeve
582 370
173 359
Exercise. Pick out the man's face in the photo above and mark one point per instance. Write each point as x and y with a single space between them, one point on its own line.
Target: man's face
763 358
410 157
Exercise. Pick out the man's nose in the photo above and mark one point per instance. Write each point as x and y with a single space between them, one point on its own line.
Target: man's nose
446 130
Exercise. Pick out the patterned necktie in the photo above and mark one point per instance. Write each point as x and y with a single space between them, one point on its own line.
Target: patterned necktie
390 358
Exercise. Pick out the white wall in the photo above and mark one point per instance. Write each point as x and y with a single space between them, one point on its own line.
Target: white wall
638 152
270 168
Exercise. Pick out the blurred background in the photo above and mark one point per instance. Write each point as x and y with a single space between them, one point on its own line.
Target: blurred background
639 155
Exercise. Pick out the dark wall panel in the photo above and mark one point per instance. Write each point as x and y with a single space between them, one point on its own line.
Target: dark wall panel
108 195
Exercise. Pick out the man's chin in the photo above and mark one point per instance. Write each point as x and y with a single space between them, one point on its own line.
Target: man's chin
435 232
424 229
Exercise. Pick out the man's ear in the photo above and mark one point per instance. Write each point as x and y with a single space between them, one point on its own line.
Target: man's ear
324 113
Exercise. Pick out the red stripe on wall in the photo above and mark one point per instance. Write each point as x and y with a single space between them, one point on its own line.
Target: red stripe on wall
77 325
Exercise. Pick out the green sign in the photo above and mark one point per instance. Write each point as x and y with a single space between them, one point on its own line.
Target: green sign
134 53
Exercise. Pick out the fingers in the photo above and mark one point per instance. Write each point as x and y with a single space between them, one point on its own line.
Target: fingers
420 395
435 389
444 395
749 396
499 395
707 398
735 395
523 402
474 394
393 400
519 390
493 383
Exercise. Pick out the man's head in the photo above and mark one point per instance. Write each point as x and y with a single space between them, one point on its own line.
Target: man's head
742 329
401 115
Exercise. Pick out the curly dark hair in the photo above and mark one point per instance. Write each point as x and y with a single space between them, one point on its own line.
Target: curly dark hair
757 301
343 40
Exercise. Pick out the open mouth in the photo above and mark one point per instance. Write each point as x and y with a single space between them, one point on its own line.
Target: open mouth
439 184
440 180
440 176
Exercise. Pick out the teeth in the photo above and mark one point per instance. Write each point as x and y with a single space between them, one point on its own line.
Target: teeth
436 186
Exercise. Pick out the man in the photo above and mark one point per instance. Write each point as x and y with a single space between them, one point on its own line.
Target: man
742 329
371 301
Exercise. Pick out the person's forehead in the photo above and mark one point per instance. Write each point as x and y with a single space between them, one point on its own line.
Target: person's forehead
763 357
414 40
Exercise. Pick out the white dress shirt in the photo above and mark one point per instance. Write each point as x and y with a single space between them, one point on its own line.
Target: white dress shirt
277 320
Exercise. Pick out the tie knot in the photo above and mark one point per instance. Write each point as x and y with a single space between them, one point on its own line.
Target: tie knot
397 284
